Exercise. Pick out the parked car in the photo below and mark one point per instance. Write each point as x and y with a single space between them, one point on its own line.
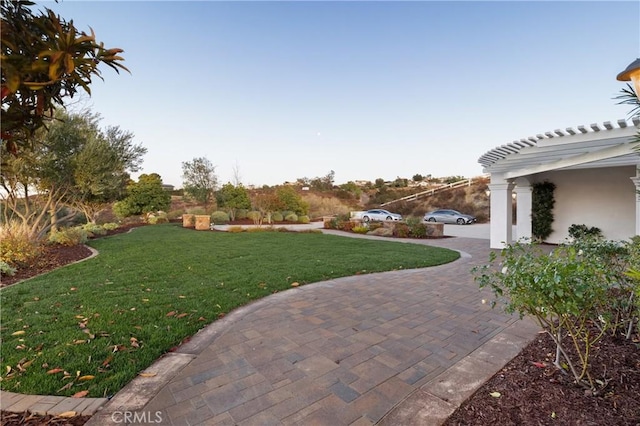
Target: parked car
449 216
379 214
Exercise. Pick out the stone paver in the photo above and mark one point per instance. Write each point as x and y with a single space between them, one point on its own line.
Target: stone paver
357 350
401 347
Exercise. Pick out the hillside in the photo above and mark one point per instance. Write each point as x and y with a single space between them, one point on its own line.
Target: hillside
470 199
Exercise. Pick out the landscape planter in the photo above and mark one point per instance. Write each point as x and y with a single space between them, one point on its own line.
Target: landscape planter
188 220
203 222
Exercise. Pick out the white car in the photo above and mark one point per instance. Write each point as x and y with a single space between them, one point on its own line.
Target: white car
379 215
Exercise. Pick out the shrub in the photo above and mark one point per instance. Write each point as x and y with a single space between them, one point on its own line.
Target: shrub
345 225
375 225
6 269
110 226
197 210
277 217
583 231
401 230
255 216
69 236
291 217
235 229
175 214
122 209
542 209
220 217
304 219
566 291
156 218
360 229
419 230
17 248
286 213
241 214
93 229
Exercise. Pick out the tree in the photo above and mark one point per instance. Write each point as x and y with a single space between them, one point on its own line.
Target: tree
73 166
232 198
45 59
418 177
289 199
323 183
200 180
102 168
145 196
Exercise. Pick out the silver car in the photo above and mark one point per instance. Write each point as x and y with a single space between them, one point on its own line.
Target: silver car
449 216
379 214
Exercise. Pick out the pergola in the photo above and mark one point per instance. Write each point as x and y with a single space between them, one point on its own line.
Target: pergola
595 169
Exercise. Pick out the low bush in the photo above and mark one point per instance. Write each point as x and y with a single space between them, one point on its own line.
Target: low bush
175 214
577 293
17 248
69 236
360 229
93 229
235 229
401 230
255 216
110 226
304 219
291 217
219 217
196 210
584 231
241 214
277 217
6 269
418 230
156 218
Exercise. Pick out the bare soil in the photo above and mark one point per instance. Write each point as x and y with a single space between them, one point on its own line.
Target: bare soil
532 391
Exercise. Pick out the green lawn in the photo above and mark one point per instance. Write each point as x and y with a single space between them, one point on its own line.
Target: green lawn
94 325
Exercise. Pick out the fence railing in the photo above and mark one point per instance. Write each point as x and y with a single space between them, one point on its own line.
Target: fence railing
430 192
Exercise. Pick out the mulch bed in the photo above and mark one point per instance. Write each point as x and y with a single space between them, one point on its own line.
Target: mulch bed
534 392
530 394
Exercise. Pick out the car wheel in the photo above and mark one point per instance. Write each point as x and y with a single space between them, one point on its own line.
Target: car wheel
431 219
460 221
389 218
366 218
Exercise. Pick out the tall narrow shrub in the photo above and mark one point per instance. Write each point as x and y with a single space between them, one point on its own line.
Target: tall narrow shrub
543 202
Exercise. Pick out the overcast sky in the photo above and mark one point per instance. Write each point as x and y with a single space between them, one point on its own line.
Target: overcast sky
284 90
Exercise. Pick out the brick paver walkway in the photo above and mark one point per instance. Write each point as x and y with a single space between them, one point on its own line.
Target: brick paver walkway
341 352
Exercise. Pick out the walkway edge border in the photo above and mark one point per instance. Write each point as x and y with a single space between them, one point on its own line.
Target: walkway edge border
434 402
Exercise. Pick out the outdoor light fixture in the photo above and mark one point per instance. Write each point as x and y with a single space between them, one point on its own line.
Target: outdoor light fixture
632 73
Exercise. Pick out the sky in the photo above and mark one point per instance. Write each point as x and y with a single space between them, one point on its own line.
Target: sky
274 91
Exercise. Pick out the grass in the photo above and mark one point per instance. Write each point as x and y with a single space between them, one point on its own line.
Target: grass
93 326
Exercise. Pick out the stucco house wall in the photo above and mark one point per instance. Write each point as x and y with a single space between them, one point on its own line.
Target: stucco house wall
602 197
596 170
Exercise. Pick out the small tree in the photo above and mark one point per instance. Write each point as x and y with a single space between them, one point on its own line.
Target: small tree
200 180
289 199
232 198
145 196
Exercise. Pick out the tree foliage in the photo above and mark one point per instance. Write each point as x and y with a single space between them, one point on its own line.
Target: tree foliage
74 166
289 199
45 59
200 180
232 198
144 196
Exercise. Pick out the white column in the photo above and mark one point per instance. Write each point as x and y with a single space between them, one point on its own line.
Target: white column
501 214
524 204
636 182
